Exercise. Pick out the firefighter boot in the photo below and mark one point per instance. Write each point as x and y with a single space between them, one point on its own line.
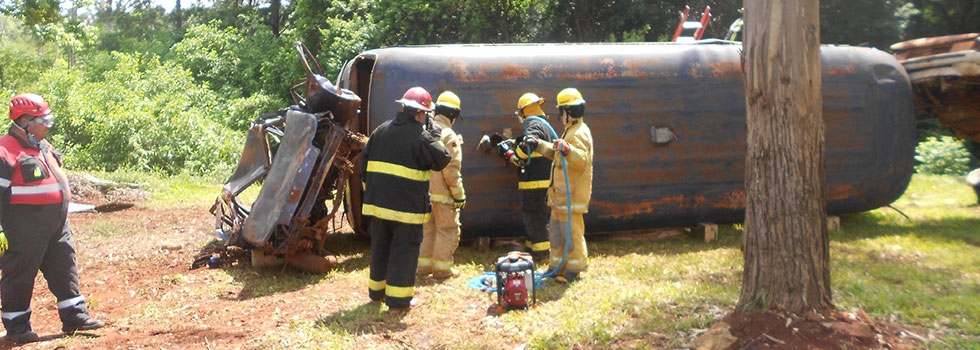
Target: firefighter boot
19 329
401 310
75 317
22 338
444 274
568 277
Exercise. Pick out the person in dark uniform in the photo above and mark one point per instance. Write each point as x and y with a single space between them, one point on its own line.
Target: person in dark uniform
34 197
396 162
534 175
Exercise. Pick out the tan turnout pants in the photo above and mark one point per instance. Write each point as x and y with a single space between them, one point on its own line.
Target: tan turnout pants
440 237
578 254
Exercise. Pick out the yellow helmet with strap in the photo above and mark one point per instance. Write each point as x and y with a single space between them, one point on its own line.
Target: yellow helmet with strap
528 99
531 102
570 97
448 99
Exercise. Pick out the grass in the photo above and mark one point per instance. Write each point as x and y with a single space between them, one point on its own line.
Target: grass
923 272
176 191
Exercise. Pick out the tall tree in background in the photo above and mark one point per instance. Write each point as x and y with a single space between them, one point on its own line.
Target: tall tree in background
178 16
944 17
786 245
274 21
868 22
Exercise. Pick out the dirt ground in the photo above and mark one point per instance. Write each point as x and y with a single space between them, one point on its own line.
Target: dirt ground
135 271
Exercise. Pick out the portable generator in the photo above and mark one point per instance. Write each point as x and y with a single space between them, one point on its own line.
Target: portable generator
515 281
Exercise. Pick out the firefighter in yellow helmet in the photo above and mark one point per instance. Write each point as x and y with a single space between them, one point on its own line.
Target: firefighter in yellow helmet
440 235
576 147
533 173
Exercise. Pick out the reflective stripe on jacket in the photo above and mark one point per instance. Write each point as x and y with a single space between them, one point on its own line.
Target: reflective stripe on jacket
446 185
536 174
579 162
395 164
33 174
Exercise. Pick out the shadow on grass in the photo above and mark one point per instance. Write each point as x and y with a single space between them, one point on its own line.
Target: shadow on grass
265 281
369 318
868 225
352 252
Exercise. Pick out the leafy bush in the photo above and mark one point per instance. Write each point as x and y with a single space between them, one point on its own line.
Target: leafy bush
144 116
942 156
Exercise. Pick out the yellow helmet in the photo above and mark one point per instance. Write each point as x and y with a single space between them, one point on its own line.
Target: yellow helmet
527 99
570 97
448 99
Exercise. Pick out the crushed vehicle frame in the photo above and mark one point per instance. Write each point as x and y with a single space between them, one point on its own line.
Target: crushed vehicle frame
309 167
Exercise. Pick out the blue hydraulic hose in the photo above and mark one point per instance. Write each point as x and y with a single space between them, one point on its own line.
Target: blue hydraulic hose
568 201
484 282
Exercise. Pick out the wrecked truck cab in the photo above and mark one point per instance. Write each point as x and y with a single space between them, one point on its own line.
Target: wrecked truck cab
303 179
668 122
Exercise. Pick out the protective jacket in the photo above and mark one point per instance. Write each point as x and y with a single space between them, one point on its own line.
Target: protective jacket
579 163
446 185
34 197
536 174
32 173
396 163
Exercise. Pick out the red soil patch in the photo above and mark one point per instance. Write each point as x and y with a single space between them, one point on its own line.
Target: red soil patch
828 330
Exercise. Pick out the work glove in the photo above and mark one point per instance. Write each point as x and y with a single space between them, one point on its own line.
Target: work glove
458 204
530 143
3 243
507 153
562 146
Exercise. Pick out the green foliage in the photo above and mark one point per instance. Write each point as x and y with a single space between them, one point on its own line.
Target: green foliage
211 54
33 12
941 156
942 17
849 22
137 87
20 62
344 39
141 116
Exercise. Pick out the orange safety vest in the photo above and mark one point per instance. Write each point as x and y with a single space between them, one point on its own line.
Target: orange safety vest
33 176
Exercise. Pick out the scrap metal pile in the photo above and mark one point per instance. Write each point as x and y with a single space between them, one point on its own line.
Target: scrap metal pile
945 75
303 155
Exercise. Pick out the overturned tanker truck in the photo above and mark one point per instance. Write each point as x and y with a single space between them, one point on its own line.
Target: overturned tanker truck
668 122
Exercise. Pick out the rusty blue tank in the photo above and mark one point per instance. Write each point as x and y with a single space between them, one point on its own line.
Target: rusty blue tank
668 120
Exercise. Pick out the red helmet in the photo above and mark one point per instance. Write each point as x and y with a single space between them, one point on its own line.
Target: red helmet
30 104
417 98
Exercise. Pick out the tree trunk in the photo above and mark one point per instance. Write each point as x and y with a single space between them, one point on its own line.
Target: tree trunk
785 243
110 19
178 15
275 19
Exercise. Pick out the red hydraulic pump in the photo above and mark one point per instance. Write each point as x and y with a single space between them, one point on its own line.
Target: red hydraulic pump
515 281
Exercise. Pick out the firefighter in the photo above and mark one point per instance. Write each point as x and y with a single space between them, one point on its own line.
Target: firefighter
533 175
396 162
575 146
34 197
448 197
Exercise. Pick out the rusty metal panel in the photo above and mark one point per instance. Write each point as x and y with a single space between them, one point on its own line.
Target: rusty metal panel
694 90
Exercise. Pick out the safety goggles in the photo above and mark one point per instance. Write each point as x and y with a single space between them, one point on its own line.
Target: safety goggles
46 120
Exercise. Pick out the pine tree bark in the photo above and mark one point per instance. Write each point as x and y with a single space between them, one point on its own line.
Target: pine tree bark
785 243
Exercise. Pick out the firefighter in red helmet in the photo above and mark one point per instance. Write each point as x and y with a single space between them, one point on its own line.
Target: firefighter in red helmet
34 197
396 165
